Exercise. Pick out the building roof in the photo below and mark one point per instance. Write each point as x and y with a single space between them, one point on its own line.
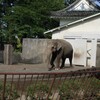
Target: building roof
78 9
96 3
72 23
73 14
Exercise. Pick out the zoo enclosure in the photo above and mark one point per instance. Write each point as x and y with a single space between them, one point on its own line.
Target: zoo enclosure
78 85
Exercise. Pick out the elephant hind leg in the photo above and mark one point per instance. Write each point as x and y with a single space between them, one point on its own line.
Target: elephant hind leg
70 58
63 63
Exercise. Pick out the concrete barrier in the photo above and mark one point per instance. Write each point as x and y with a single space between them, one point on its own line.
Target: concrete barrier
34 50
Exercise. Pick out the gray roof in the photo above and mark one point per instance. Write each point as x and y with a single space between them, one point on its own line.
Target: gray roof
67 13
72 14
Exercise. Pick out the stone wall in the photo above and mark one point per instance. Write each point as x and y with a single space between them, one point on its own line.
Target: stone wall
34 50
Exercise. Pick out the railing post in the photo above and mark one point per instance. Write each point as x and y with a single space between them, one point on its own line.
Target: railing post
4 87
51 87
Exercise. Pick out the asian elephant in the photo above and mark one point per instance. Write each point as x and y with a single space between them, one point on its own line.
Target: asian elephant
59 51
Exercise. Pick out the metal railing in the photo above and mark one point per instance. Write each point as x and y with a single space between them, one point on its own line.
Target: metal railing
78 85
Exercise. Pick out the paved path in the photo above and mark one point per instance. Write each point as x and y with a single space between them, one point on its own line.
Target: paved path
30 68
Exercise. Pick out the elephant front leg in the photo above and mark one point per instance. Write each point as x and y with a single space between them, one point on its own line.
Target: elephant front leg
57 64
52 63
58 59
54 54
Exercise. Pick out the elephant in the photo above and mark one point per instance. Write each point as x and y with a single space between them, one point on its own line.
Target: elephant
60 50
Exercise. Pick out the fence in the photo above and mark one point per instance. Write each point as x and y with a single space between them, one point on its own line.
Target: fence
78 85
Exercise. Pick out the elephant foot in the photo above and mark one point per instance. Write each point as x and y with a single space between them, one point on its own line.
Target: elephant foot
71 65
57 68
61 67
51 68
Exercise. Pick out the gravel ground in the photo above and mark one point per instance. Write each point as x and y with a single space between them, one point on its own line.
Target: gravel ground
30 68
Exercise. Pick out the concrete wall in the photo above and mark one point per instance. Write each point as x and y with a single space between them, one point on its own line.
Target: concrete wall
16 57
34 50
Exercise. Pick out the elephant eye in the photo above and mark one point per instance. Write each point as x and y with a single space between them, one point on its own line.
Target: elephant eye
52 47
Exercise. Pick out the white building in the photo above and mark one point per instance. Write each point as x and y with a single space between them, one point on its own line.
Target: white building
83 34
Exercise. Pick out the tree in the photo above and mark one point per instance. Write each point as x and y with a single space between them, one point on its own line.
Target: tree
27 18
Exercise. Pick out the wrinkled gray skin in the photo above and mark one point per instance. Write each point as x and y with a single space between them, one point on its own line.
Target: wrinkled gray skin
60 50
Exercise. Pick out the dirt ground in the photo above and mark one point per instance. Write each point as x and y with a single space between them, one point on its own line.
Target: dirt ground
31 68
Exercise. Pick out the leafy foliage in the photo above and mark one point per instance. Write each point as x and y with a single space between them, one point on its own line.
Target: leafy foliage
27 18
81 89
10 94
37 91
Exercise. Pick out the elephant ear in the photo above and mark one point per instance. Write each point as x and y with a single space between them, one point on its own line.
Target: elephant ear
59 50
59 47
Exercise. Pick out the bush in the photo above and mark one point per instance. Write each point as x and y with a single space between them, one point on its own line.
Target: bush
80 89
10 92
37 91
